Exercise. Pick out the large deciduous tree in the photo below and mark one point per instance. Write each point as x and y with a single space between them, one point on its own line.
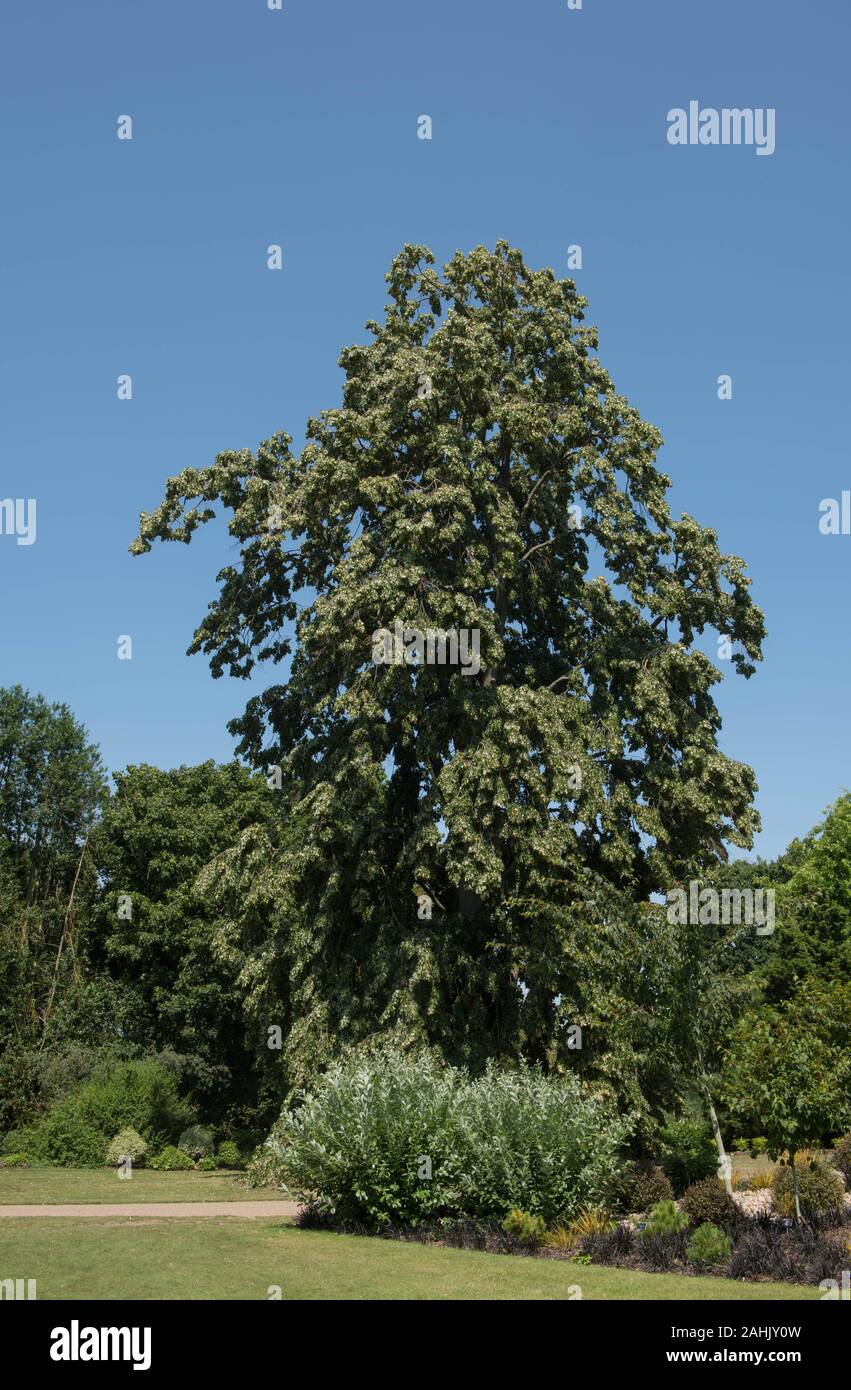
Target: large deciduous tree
482 473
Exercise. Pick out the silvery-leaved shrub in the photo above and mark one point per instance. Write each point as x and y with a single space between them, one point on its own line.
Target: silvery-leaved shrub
126 1144
361 1145
535 1142
395 1139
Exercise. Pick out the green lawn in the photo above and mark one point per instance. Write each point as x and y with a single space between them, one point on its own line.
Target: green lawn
20 1186
225 1258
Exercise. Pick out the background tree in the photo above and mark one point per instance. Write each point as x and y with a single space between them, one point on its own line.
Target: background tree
785 1081
799 974
153 928
51 785
656 1000
482 473
753 952
812 941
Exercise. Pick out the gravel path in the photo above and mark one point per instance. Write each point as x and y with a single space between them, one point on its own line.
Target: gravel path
249 1211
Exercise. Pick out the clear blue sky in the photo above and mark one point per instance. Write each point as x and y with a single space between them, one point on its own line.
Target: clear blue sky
300 127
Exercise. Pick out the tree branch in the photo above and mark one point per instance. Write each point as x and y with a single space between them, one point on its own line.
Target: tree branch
534 490
540 546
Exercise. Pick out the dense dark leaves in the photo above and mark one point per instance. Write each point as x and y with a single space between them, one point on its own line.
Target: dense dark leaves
481 473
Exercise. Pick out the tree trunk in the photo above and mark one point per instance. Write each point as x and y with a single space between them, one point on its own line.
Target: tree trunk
798 1216
65 927
723 1160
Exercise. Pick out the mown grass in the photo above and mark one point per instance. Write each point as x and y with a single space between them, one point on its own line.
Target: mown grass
25 1186
225 1258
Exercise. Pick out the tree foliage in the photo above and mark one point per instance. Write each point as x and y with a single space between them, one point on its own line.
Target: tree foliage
51 785
813 938
154 928
786 1080
482 473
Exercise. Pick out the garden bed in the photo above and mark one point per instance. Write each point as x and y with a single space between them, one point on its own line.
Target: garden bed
764 1248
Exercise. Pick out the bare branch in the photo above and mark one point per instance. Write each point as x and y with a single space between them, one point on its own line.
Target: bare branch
534 490
540 546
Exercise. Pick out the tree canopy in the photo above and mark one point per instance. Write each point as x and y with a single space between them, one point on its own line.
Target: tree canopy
481 475
813 937
153 930
51 786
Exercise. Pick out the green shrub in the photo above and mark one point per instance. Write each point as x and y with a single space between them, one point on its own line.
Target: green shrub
841 1158
14 1161
208 1164
644 1184
397 1139
63 1137
126 1144
14 1142
229 1155
530 1229
709 1246
665 1219
754 1147
819 1188
77 1130
708 1201
688 1152
197 1142
171 1160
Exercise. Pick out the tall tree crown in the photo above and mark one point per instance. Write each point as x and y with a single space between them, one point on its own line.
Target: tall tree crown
482 475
